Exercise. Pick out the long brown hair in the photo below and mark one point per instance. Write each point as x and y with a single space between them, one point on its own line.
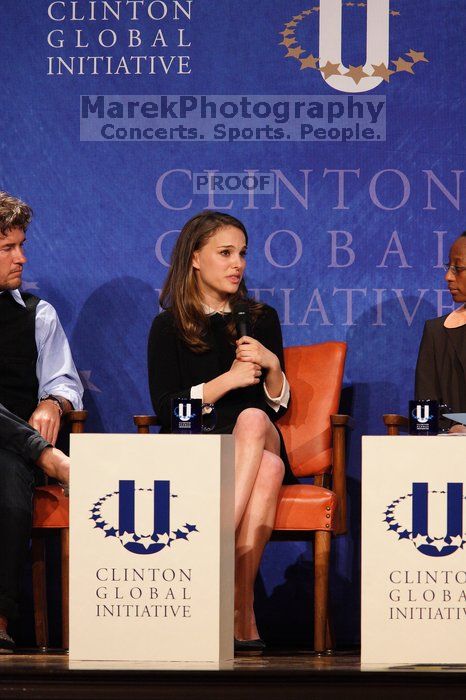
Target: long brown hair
181 294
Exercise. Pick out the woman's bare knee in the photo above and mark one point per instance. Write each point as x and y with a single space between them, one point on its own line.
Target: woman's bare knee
253 421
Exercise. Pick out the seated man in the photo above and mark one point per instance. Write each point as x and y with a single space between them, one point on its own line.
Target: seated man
441 363
38 382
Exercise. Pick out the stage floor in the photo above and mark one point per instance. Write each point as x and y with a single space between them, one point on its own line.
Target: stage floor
276 675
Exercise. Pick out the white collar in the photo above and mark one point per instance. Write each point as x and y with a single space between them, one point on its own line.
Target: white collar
15 293
209 311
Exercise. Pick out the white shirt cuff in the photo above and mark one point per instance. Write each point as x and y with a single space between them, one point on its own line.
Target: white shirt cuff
65 392
197 392
282 400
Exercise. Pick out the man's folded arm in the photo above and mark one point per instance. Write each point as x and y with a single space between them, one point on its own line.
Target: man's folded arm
18 436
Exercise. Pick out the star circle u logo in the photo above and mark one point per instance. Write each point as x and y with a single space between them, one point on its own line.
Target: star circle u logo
115 514
407 517
330 17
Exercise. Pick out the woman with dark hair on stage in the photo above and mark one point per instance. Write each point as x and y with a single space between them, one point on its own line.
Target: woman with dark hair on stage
194 352
441 363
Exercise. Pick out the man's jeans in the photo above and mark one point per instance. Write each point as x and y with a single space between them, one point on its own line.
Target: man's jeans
20 447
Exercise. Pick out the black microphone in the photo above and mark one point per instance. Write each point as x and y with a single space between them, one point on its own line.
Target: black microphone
242 319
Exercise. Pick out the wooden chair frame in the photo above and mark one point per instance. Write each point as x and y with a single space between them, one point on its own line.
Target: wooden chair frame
55 516
321 539
395 423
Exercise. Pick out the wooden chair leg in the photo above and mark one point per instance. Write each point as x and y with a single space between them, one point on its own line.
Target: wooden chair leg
329 635
322 542
39 589
65 585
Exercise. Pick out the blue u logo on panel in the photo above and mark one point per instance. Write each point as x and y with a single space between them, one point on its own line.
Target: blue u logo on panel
116 514
411 517
161 514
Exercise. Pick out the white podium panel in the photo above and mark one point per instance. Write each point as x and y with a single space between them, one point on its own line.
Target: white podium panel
152 548
413 550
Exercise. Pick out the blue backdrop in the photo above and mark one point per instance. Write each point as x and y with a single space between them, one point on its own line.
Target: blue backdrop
348 246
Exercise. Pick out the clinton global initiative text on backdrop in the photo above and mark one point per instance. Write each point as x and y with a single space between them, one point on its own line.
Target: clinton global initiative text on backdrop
81 27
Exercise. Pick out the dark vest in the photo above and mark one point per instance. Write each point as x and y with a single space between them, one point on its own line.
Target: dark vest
18 354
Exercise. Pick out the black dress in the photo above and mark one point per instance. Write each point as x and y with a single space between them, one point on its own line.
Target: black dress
441 365
174 368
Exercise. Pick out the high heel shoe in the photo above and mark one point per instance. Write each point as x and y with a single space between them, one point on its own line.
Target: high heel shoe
249 645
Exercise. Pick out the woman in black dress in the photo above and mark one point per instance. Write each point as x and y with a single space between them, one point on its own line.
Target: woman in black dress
194 352
441 362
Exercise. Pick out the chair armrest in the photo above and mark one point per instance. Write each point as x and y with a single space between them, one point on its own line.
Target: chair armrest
342 419
143 423
339 424
394 423
75 419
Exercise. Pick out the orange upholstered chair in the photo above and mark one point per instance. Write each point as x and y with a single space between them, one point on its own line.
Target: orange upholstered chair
315 440
51 512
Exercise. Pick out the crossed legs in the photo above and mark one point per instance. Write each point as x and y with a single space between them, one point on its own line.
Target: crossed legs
259 474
